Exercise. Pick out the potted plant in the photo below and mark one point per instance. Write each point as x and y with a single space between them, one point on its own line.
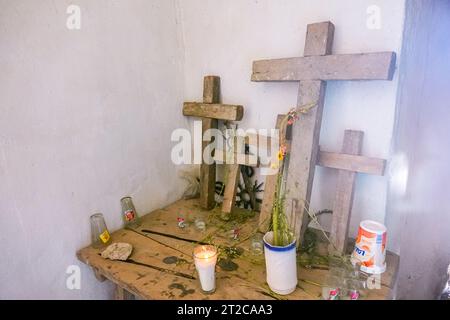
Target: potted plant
280 242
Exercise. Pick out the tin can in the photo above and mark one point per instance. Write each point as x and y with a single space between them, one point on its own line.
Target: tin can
370 247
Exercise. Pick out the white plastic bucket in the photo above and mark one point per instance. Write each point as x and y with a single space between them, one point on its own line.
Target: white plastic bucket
370 247
281 266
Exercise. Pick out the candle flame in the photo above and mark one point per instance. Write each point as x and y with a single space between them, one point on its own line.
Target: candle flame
205 252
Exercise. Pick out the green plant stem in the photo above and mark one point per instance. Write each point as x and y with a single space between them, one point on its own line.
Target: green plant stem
278 227
275 225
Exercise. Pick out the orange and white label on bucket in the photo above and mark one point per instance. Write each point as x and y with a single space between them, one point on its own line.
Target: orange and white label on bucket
104 236
370 251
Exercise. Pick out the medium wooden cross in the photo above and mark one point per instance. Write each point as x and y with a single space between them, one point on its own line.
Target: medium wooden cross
210 110
312 70
239 158
349 162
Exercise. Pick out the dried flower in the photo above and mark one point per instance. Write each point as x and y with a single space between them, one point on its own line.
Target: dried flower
280 155
283 149
292 116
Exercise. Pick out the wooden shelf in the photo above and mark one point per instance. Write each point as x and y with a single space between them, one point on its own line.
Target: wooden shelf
161 265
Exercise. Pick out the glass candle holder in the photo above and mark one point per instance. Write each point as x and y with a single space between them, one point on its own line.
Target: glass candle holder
99 231
352 290
205 258
129 213
200 224
257 244
334 283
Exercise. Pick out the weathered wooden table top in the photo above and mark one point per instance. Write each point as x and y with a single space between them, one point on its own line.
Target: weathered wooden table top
161 264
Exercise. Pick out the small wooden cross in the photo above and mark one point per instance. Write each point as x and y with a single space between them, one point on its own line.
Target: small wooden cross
234 159
312 71
349 162
210 110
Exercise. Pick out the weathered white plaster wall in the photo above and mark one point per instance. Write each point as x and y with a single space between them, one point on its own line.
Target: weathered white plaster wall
223 37
86 118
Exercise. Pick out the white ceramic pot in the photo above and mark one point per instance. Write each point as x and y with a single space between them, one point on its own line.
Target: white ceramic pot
281 266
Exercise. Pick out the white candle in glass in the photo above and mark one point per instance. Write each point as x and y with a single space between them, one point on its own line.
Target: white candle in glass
205 258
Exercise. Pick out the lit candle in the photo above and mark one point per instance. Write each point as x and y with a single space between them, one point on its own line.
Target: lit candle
205 258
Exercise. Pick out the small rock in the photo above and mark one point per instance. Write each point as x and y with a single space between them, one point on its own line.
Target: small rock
118 251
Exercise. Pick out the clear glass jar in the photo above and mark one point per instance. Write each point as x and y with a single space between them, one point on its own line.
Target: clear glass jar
257 244
352 289
343 282
129 214
200 224
99 232
334 283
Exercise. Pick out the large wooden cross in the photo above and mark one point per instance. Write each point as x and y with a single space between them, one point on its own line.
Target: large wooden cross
312 70
210 110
